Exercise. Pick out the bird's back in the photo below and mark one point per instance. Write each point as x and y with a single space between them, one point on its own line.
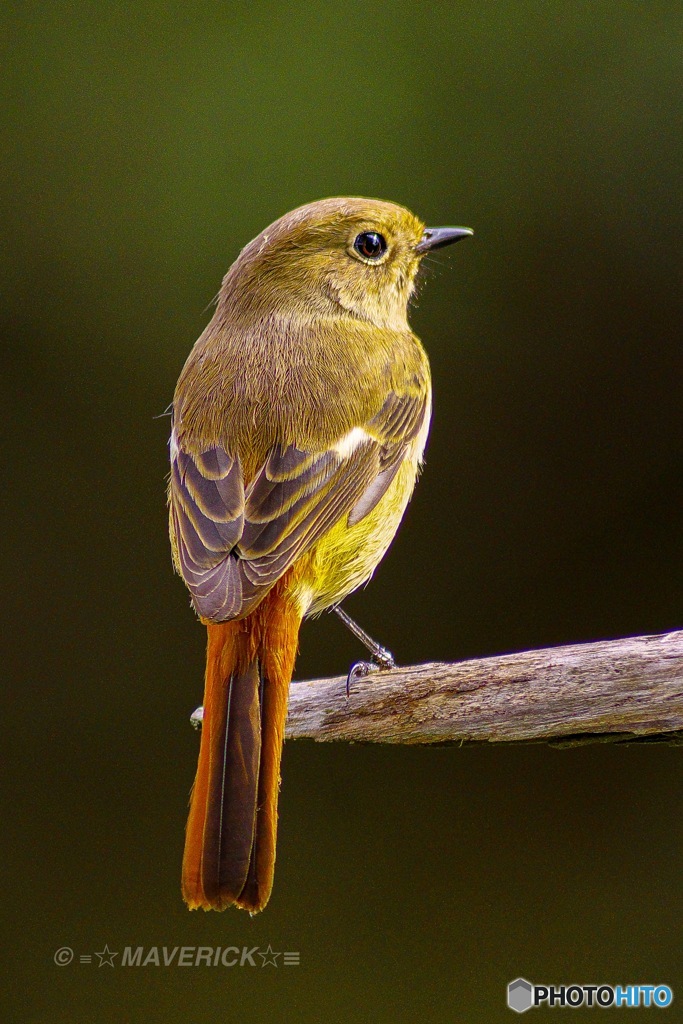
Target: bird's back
282 382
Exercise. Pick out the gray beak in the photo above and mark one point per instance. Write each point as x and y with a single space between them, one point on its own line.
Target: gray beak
435 238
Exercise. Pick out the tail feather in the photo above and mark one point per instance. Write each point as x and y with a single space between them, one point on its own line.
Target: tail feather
233 783
232 826
259 881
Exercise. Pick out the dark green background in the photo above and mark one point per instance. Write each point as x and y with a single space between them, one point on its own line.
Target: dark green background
144 145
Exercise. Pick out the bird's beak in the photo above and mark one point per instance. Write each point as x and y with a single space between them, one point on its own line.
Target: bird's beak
435 238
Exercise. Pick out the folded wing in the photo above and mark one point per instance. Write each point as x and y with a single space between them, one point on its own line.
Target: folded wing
232 542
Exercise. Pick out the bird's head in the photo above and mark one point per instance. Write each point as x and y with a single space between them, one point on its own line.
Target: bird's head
347 257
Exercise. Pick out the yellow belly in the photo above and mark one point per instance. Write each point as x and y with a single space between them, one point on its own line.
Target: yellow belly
346 557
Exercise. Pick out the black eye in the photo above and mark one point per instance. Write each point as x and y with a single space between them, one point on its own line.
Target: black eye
370 245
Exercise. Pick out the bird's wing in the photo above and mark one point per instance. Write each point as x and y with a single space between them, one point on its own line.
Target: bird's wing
233 543
206 504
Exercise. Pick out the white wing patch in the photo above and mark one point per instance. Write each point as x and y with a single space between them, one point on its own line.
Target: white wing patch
349 442
173 446
421 439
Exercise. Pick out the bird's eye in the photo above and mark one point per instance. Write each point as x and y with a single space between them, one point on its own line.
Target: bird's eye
370 245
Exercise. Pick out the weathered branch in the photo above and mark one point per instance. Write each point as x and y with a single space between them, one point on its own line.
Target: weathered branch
612 690
616 689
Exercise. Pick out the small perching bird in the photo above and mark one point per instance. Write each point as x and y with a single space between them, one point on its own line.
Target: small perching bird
299 423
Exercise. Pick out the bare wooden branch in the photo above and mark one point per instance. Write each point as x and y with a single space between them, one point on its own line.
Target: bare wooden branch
617 689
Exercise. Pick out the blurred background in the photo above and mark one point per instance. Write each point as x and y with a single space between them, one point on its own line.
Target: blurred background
145 144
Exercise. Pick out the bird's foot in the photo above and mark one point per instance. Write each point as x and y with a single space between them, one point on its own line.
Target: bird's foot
382 661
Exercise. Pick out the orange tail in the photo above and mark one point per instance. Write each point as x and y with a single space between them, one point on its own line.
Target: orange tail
232 827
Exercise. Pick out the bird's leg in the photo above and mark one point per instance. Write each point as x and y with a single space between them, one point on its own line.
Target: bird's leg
381 657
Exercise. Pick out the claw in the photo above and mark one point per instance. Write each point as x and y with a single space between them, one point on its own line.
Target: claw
359 670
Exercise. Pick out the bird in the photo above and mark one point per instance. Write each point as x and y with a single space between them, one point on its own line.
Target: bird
299 423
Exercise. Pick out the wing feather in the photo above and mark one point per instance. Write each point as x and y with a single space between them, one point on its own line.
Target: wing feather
233 543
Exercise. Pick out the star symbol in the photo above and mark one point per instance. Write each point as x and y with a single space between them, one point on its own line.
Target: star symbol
106 957
269 957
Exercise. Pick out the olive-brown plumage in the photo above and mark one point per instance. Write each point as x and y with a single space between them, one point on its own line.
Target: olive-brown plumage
299 422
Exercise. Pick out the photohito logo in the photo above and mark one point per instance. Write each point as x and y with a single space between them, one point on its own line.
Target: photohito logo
522 995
